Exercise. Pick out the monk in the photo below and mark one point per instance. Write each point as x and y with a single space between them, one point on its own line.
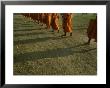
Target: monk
42 18
54 22
32 16
92 30
67 23
38 18
48 20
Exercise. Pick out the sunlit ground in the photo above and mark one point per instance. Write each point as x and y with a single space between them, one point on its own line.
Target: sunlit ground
37 51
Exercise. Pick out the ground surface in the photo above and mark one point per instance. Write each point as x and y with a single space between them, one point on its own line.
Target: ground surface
37 51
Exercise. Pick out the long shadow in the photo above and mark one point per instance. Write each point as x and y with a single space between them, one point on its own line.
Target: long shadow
27 26
84 44
35 40
59 52
27 41
23 25
26 30
38 28
85 51
27 34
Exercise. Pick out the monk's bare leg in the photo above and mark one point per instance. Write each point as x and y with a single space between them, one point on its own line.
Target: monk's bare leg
58 29
71 34
89 41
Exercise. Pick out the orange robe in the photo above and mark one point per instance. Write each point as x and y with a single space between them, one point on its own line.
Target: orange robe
67 22
92 29
48 20
54 21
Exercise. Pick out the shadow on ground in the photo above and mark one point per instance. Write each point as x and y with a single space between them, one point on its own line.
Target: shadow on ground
36 40
59 52
28 34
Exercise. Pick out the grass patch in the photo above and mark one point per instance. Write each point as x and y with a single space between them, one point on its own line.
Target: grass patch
37 51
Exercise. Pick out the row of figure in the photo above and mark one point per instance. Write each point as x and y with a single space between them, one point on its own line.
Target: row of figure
52 20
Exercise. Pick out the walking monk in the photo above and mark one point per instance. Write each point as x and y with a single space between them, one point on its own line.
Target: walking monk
54 22
92 30
48 20
67 23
